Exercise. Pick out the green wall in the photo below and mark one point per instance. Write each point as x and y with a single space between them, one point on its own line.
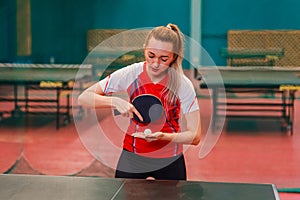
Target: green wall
7 30
219 16
59 27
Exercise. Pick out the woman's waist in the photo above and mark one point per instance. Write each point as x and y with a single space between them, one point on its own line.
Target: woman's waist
157 149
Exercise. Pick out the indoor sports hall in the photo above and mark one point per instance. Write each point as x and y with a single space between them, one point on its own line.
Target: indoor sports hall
241 58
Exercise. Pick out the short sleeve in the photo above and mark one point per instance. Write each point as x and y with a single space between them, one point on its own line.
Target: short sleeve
187 96
121 79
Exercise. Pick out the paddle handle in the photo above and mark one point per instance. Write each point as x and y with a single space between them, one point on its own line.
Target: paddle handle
116 112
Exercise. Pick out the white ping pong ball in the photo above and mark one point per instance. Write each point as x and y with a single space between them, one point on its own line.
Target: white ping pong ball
147 131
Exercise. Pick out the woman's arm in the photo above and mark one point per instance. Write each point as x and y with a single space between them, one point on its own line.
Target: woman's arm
94 97
191 135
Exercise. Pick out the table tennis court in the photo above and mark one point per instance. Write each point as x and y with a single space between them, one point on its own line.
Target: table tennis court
246 74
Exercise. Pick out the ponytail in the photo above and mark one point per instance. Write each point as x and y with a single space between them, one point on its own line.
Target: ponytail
171 33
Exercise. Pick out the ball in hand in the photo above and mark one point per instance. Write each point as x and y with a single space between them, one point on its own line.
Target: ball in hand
147 131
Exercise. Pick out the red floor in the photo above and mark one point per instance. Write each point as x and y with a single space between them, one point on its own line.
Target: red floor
254 151
250 151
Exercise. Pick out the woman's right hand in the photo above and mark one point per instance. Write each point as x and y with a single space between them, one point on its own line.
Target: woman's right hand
125 108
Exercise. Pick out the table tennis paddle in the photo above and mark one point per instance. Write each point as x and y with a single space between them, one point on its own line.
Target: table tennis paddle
149 106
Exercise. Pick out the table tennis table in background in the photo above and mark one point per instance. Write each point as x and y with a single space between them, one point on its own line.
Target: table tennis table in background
266 91
31 187
49 81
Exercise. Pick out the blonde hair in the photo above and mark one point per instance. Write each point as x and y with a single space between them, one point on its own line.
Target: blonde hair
171 33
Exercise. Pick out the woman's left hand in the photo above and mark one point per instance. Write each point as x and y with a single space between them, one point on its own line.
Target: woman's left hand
149 137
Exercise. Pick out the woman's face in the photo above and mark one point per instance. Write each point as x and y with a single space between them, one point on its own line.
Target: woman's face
159 56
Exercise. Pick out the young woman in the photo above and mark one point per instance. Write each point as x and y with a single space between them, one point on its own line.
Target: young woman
160 153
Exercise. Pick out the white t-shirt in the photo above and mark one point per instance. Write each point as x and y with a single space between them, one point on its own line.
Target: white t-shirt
122 79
